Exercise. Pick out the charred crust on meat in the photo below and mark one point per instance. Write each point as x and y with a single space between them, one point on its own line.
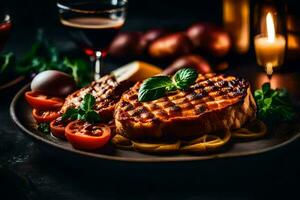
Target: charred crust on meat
213 103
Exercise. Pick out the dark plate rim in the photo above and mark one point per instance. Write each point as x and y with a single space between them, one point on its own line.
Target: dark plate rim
130 159
12 83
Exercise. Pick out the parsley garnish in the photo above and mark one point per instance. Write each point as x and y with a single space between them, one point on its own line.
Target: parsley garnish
85 111
44 127
43 56
273 105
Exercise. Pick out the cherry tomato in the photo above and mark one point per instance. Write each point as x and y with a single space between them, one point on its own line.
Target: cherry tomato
43 102
83 135
58 126
45 115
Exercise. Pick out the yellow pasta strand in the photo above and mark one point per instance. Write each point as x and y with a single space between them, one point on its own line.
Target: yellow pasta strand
203 144
206 143
156 148
253 130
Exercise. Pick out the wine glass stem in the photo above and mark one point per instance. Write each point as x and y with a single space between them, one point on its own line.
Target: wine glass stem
97 64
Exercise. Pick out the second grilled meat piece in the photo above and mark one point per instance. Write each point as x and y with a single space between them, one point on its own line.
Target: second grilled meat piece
107 92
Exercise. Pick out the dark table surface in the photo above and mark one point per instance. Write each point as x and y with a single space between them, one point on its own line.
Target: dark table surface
270 175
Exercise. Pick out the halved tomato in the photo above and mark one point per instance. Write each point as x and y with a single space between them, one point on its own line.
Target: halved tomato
83 135
58 126
43 102
45 115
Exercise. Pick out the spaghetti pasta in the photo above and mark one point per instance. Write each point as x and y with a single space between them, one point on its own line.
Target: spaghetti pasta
122 142
156 148
203 144
206 143
253 130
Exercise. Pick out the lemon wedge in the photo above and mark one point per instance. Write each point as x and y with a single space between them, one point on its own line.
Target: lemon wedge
136 71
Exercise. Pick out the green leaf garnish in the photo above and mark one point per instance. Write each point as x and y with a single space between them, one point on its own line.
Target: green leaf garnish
88 102
44 127
91 117
85 111
266 88
79 70
156 87
43 55
273 105
5 61
185 77
71 113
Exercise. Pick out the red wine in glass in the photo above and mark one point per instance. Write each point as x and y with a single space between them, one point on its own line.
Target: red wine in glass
93 24
5 28
92 33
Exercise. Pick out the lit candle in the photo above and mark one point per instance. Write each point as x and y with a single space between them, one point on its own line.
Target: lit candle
270 48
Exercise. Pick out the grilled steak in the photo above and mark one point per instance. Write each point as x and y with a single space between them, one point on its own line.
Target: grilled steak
213 103
107 92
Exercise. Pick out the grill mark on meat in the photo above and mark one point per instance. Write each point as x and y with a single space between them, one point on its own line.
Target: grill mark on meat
174 110
159 116
195 96
107 92
200 109
210 93
161 113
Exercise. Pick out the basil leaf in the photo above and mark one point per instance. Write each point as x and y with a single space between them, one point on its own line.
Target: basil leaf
157 86
154 88
88 102
185 77
150 95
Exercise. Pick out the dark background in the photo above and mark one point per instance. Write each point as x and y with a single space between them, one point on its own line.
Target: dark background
33 13
272 175
28 15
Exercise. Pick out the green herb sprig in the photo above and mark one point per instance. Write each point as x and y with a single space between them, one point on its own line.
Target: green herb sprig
42 56
273 105
156 87
5 61
85 111
44 127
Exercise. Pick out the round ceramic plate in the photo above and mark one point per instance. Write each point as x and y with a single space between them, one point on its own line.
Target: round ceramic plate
12 83
21 114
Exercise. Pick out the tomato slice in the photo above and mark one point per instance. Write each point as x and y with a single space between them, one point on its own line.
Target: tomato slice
83 135
58 126
43 102
45 115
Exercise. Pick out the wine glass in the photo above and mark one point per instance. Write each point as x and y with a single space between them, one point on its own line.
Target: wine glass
5 28
93 24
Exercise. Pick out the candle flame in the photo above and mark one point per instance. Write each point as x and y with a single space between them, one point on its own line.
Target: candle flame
270 27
